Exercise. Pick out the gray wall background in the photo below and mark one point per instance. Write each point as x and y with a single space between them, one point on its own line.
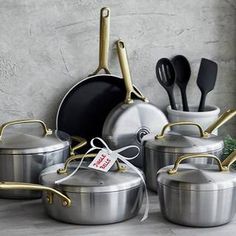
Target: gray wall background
46 46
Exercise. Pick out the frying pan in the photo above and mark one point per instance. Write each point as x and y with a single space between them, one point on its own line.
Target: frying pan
86 105
130 120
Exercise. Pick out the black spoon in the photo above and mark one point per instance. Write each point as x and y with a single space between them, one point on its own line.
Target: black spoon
165 73
183 72
206 79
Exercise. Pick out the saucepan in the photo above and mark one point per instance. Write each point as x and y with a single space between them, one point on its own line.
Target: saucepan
163 149
90 196
25 151
199 195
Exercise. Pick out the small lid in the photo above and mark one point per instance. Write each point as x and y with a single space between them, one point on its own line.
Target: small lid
197 177
87 180
15 142
174 142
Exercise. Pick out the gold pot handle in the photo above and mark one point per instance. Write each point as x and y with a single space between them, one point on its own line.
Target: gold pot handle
80 156
104 40
81 143
162 134
229 160
73 158
184 157
226 116
36 187
27 121
126 74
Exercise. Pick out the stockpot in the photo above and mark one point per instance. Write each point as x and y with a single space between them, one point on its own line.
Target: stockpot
25 151
90 196
199 195
163 150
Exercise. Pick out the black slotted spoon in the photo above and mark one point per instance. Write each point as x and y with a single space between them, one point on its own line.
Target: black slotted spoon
165 73
206 79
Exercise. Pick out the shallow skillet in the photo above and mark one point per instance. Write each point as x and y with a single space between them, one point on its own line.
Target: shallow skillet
86 105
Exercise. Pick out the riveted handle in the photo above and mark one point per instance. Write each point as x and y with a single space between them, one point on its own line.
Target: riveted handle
36 187
162 134
126 73
73 158
225 117
27 121
81 143
229 160
80 156
188 156
104 40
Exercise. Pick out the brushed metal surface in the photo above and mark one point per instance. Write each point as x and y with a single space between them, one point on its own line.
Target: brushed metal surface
197 177
97 208
197 208
155 160
87 180
26 168
127 124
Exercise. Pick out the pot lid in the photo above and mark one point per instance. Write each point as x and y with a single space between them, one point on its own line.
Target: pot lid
174 142
197 177
32 142
87 180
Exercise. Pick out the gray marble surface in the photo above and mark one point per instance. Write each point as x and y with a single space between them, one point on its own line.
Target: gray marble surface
48 46
23 218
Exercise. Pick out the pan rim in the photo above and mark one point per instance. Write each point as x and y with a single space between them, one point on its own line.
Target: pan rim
83 80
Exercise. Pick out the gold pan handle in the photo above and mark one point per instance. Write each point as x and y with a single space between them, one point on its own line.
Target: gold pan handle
226 116
36 187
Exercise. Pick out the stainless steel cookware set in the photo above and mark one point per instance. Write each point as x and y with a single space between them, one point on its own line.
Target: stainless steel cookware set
34 159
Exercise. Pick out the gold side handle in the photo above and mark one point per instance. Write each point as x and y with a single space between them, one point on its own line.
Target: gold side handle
229 160
167 126
27 121
63 170
81 143
36 187
104 40
126 74
184 157
225 117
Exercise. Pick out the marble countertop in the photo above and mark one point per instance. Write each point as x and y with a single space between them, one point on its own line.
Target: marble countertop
27 217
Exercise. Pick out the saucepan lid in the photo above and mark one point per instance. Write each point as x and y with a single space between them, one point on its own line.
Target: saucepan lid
87 180
199 177
173 142
31 140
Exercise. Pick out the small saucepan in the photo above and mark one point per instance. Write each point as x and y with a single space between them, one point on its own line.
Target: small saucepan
25 151
198 195
163 150
89 197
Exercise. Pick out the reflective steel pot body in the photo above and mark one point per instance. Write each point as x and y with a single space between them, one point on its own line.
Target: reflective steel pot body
197 195
25 153
96 197
163 150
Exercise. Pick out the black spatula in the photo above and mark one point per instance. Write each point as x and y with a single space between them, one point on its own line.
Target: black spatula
206 79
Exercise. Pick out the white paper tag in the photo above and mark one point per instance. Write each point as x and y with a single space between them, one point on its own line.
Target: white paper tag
103 161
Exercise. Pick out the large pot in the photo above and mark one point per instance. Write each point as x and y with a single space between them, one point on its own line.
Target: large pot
26 151
90 196
199 195
163 149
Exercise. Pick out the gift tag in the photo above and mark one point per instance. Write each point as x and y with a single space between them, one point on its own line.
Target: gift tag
103 161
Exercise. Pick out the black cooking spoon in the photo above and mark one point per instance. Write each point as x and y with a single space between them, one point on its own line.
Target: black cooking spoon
183 72
165 73
206 79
